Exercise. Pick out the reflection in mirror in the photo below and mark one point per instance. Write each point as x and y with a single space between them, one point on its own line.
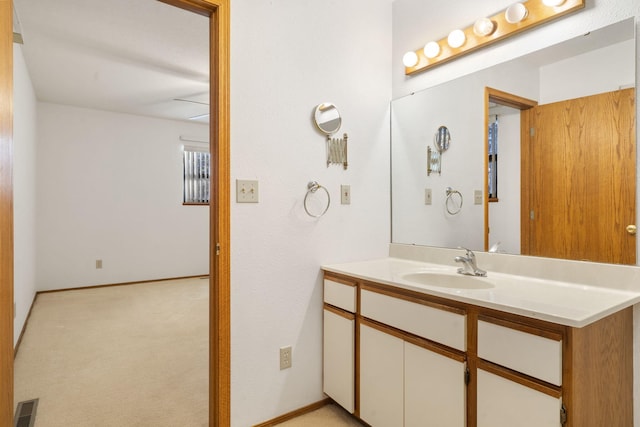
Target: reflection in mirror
553 74
327 118
503 161
442 139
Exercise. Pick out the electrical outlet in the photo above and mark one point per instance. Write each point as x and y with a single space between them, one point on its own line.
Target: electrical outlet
246 191
477 197
427 196
285 357
98 263
345 194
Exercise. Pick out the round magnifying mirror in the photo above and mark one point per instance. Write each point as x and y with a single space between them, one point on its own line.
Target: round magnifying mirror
327 118
442 139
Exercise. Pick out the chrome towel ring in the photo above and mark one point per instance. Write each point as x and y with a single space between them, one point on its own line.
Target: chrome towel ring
453 208
312 187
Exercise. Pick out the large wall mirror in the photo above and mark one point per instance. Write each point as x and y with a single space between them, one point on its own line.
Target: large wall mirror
600 62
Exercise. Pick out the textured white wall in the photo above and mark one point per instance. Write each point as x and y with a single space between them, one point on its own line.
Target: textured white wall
610 69
109 187
24 181
287 57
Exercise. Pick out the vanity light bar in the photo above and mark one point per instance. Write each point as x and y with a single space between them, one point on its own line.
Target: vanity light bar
537 13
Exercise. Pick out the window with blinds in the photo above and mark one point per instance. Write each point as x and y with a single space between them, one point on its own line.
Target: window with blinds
493 160
197 173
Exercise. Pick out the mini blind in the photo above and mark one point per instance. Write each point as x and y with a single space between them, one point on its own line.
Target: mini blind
197 173
493 159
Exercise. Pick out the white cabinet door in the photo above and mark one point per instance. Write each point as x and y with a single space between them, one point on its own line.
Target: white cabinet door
381 378
504 403
339 358
434 389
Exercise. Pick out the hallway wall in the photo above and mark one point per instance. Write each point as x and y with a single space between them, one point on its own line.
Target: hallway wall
110 188
24 181
287 56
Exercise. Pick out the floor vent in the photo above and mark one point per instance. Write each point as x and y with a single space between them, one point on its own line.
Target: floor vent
26 413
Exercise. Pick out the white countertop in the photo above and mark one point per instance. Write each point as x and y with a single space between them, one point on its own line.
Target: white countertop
565 303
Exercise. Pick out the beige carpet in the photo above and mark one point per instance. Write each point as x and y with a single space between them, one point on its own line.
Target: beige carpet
133 355
327 416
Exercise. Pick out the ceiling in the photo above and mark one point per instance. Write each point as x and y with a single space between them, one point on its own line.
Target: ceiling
132 56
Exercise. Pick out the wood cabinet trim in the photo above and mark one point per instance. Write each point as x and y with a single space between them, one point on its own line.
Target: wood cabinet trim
605 372
520 319
356 402
413 339
6 215
340 312
415 297
522 379
340 279
522 327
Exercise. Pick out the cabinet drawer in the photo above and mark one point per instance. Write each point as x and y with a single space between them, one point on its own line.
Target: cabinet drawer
435 324
503 403
528 353
340 295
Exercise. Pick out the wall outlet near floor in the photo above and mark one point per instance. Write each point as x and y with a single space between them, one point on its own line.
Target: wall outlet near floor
246 191
98 263
285 357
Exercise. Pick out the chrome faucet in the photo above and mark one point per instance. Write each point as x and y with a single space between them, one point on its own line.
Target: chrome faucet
469 262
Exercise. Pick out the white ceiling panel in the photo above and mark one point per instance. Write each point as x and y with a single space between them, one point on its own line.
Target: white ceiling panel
132 56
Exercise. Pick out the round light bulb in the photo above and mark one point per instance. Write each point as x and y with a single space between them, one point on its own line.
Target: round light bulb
552 3
483 27
431 50
515 13
456 38
410 59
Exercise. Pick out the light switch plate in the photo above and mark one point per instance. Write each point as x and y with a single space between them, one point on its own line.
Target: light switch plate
427 196
477 197
345 194
246 191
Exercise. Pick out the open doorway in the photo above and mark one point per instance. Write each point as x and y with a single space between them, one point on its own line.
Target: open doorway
217 11
502 164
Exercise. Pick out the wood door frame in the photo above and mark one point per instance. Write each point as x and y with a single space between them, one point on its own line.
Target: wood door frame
6 213
522 104
218 11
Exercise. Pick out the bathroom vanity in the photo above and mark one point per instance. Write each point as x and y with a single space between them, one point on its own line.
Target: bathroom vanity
409 343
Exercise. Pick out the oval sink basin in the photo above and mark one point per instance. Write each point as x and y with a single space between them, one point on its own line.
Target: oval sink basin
454 281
